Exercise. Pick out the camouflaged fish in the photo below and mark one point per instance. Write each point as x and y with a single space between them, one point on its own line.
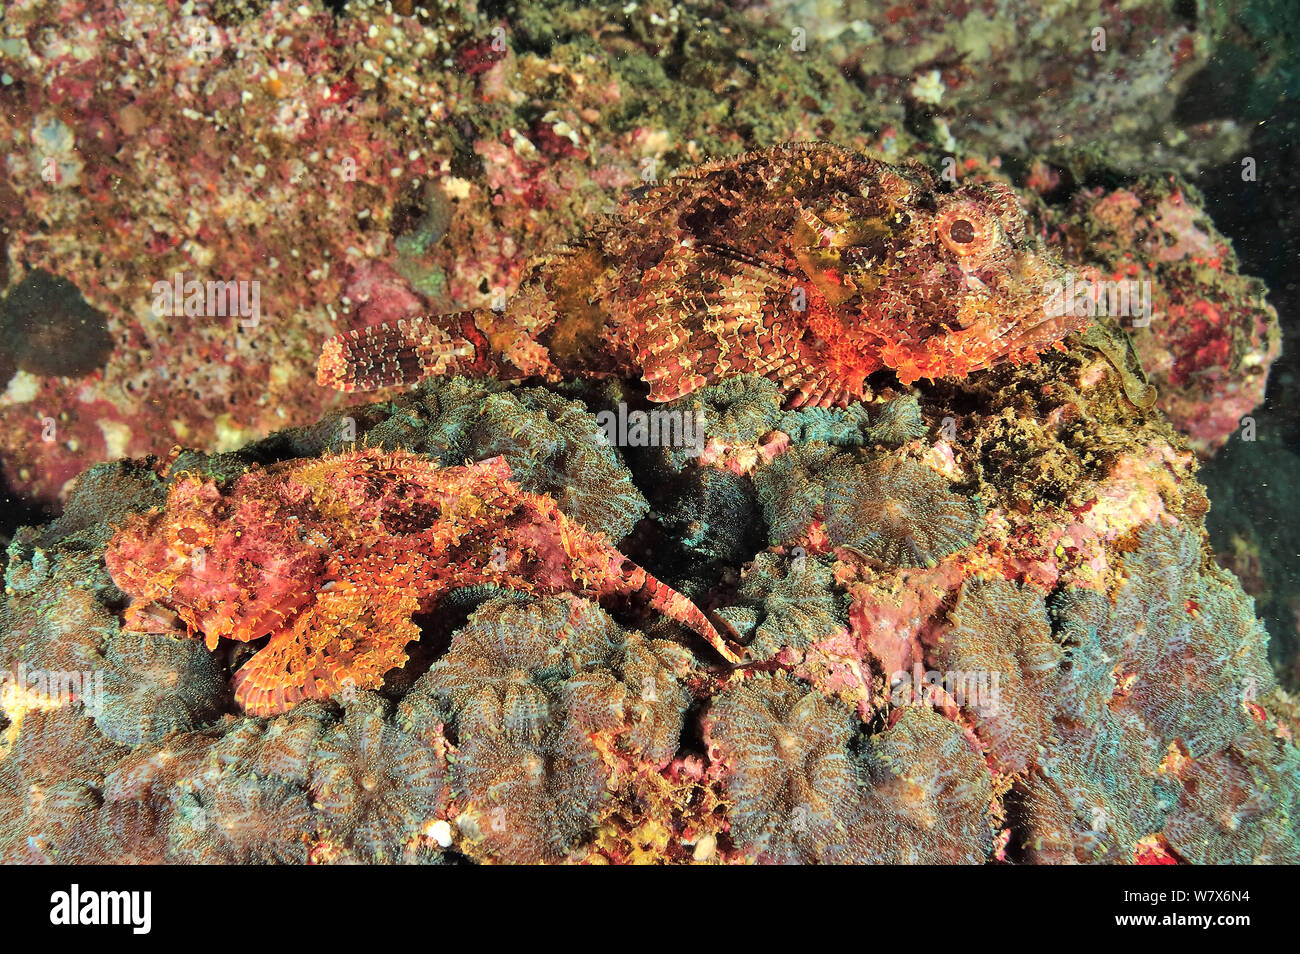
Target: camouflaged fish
805 263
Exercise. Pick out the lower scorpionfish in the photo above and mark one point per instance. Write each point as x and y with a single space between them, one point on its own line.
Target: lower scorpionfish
805 263
333 557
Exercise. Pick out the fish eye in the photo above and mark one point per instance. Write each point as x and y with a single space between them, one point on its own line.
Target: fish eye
961 232
965 229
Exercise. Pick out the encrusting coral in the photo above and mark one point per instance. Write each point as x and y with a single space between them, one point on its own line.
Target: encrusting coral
553 447
1155 710
887 508
540 697
793 490
155 684
1132 715
808 785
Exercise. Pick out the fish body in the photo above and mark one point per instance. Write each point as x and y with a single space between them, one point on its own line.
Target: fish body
332 559
805 263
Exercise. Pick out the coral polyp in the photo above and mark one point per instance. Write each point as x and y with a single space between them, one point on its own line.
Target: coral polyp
897 512
547 700
792 779
375 786
1000 627
809 785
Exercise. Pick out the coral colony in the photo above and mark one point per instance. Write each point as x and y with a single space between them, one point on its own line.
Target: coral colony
808 506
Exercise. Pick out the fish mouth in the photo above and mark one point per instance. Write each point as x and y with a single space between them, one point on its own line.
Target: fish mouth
1031 323
1007 320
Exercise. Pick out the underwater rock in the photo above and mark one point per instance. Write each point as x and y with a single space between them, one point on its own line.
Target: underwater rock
1205 334
1024 83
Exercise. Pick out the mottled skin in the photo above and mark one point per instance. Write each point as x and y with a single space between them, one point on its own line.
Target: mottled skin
805 263
332 557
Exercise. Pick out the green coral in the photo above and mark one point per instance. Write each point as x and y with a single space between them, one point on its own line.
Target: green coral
793 489
525 688
896 421
1172 663
806 784
787 601
897 512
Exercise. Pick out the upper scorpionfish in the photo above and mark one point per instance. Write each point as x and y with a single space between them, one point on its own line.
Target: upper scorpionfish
805 263
332 558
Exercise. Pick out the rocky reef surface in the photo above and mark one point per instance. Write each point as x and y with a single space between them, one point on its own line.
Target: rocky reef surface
976 622
363 162
972 622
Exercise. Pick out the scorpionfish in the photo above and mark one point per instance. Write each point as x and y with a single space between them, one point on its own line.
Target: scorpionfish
333 557
805 263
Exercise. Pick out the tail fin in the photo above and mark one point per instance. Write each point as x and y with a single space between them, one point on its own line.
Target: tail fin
406 351
639 583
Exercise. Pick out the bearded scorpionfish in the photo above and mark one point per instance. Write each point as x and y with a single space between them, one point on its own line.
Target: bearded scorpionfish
333 558
805 263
